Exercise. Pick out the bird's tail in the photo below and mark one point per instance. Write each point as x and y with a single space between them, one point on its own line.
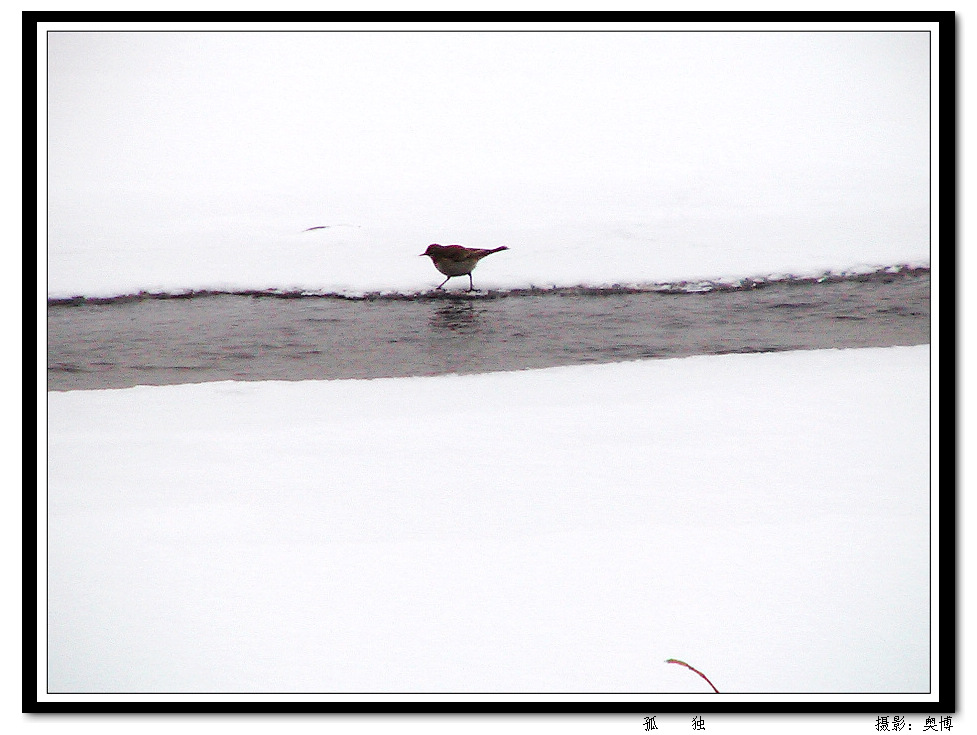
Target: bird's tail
501 247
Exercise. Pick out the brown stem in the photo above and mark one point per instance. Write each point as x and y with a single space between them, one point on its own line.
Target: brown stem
676 661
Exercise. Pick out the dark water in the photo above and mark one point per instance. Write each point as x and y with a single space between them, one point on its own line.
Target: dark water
158 341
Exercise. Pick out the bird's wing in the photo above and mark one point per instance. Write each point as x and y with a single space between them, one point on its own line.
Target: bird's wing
457 252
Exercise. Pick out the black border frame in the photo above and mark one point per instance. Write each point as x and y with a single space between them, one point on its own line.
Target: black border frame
946 213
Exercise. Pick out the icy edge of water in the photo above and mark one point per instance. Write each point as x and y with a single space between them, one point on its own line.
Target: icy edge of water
675 287
620 367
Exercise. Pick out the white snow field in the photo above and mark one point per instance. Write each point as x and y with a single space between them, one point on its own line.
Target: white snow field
184 161
763 517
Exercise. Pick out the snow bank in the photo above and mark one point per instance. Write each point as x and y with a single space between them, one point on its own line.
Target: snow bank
763 517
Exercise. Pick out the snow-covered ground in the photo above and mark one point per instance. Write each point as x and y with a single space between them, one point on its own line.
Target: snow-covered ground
192 161
763 517
373 258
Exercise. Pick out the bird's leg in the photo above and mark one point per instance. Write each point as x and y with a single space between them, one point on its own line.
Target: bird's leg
471 284
445 281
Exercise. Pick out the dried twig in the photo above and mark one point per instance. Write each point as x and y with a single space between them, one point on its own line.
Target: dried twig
676 661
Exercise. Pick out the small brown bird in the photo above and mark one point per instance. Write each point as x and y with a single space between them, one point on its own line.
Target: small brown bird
455 260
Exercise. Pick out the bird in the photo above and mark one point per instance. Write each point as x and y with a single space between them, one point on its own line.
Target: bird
456 260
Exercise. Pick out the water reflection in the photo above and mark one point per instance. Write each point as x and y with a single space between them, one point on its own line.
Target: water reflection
459 317
163 342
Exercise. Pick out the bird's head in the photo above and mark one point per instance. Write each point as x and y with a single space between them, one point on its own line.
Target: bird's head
432 250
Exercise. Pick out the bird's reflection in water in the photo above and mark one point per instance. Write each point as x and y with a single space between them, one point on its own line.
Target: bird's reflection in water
457 317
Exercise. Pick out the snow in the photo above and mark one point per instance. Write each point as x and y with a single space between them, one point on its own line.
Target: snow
374 258
197 161
762 517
